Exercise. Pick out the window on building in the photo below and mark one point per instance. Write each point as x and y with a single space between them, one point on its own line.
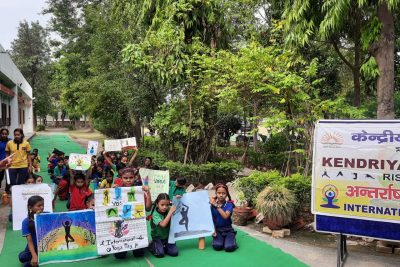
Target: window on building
3 114
23 116
9 116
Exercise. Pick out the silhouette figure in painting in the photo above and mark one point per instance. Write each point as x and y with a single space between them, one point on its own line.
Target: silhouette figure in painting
369 176
355 176
91 151
67 227
185 219
106 197
339 174
118 228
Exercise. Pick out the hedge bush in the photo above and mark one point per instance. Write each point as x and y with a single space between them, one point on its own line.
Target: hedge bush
212 172
253 184
40 127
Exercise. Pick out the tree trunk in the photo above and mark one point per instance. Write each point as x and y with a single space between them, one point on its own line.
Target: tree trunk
77 122
91 125
189 133
255 125
357 59
384 55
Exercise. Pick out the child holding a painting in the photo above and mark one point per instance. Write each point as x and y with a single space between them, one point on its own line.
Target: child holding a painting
79 190
29 256
160 219
128 180
221 210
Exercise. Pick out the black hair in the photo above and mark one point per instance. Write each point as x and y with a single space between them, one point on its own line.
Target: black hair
30 176
22 135
161 196
149 158
181 181
107 170
79 175
227 192
66 176
66 157
120 166
5 129
100 159
32 201
37 177
89 198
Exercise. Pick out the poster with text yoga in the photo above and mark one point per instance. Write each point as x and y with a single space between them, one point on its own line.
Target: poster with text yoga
66 236
192 218
79 162
158 181
120 219
20 196
356 170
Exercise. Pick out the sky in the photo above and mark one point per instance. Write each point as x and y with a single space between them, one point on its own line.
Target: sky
15 11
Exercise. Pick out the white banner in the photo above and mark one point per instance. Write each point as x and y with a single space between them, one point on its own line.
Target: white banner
120 220
119 144
356 170
20 196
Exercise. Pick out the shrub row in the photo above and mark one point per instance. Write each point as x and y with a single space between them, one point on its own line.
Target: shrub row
252 185
212 172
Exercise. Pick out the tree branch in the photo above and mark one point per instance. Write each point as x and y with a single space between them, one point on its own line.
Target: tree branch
342 57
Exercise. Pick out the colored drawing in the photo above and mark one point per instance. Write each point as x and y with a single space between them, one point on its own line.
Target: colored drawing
66 236
131 195
139 211
92 148
80 162
113 212
158 181
121 223
106 197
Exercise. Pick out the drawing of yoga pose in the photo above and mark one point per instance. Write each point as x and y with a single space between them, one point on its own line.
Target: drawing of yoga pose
67 227
184 213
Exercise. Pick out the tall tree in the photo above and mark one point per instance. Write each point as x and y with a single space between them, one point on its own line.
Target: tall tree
31 53
370 24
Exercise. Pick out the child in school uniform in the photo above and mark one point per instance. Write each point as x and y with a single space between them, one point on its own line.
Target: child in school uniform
221 210
108 179
160 219
127 180
79 190
177 187
29 256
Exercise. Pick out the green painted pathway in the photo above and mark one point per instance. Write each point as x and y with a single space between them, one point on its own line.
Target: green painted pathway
251 252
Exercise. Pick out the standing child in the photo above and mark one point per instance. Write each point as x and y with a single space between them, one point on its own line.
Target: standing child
221 210
128 179
160 222
79 190
29 256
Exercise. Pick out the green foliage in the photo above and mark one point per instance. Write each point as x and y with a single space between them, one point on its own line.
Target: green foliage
71 127
277 204
253 184
40 128
301 187
221 172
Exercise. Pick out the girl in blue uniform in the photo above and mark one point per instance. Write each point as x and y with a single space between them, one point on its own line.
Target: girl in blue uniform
29 256
221 209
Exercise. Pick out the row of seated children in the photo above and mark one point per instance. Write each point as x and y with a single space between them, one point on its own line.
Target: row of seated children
160 217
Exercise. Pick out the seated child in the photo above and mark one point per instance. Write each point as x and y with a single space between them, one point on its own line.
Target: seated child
221 210
177 187
62 188
29 256
107 182
160 222
30 179
79 190
59 171
38 179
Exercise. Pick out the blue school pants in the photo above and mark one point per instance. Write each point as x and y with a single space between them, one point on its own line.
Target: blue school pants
160 247
25 257
225 239
136 253
18 175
